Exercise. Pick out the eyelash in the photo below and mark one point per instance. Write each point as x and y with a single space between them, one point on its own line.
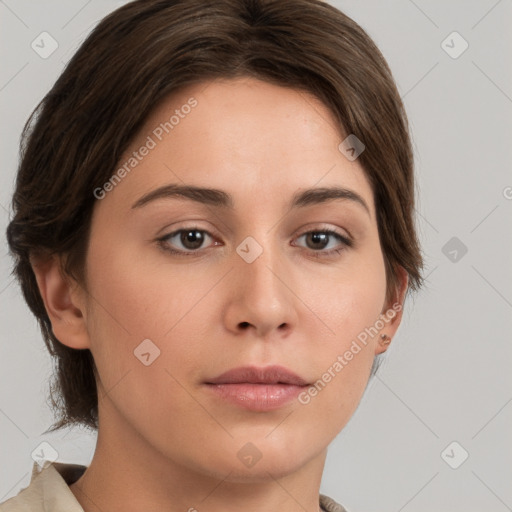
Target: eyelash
347 242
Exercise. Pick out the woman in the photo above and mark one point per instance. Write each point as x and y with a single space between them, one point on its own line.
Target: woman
213 223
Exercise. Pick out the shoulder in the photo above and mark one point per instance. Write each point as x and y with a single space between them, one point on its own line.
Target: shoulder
329 505
48 490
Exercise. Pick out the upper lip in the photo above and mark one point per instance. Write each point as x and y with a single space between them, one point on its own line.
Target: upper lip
255 375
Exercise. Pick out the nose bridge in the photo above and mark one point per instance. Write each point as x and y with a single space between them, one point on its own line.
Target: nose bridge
262 263
265 299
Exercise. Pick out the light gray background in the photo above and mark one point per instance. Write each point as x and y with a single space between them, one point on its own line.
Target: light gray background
447 374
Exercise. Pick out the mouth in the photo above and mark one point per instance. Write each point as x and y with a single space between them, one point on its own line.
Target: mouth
257 389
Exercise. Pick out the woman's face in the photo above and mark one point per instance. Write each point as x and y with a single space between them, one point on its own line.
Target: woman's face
257 281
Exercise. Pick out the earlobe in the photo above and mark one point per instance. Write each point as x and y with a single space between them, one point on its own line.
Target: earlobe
392 313
65 313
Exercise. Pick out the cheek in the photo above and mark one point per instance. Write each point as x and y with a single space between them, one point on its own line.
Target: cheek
134 299
142 294
133 304
352 300
343 358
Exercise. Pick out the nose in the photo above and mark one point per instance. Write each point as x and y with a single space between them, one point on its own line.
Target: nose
261 297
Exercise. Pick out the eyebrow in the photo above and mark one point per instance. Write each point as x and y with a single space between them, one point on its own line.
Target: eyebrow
221 199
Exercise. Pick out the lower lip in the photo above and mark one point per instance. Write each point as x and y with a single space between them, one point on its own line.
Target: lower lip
257 397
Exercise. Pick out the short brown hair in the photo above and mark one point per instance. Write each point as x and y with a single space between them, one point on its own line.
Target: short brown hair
144 51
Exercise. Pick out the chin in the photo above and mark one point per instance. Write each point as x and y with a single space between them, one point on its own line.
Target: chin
266 469
261 460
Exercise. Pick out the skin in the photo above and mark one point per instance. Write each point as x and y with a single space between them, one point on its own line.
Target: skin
164 441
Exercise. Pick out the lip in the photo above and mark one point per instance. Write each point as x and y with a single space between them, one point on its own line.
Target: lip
257 389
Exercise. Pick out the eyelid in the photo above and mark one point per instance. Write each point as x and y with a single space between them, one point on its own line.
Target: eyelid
172 229
327 228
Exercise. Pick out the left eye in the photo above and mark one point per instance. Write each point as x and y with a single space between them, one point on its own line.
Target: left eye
322 238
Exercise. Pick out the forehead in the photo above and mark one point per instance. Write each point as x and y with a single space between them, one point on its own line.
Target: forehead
259 141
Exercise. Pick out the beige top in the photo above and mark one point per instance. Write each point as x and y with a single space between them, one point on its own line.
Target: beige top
48 491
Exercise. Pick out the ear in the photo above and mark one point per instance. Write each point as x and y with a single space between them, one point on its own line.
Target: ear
64 302
392 311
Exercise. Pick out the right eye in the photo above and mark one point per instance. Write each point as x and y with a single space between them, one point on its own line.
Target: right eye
191 239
